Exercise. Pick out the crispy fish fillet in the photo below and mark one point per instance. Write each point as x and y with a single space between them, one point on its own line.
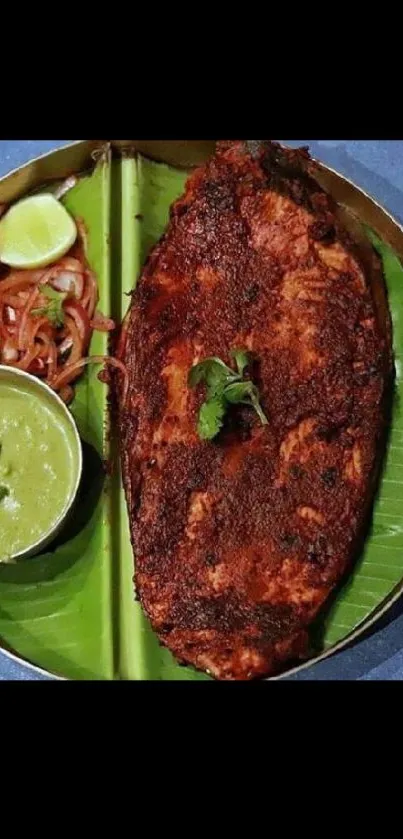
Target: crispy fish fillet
239 541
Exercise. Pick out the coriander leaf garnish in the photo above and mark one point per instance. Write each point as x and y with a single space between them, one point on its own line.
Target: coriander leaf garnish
212 371
4 491
51 293
211 417
224 387
238 392
245 393
242 359
54 310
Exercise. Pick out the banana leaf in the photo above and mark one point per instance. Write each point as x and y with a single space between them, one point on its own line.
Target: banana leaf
72 611
55 610
379 569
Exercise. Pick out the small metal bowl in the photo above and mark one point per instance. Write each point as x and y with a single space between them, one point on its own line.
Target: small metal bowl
16 378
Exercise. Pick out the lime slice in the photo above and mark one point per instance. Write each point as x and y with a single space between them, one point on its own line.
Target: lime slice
35 232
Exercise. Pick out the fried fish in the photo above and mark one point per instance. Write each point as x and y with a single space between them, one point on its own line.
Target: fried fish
240 540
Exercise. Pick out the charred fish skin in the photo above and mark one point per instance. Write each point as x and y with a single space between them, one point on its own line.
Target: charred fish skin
239 541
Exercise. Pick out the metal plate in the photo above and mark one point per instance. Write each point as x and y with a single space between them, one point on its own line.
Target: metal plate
78 156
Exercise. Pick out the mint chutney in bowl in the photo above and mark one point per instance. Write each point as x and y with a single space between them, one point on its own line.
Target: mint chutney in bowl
40 464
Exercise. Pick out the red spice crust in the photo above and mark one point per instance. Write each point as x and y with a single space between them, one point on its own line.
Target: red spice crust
239 542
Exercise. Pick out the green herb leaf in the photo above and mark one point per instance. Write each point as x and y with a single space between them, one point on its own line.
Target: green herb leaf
242 359
258 408
213 372
54 310
247 394
224 387
4 491
51 293
211 417
239 392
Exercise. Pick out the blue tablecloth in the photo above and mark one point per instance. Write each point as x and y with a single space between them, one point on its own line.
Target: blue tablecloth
377 166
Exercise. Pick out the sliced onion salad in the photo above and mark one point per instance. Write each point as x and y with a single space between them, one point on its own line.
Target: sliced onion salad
50 336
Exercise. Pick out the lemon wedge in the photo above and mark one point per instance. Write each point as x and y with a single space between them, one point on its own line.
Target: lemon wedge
35 232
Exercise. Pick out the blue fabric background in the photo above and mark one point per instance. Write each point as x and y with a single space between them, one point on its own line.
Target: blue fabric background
377 166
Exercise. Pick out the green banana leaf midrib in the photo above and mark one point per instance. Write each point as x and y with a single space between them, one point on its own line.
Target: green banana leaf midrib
143 192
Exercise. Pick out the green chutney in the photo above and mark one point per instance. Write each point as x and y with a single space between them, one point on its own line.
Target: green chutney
38 467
